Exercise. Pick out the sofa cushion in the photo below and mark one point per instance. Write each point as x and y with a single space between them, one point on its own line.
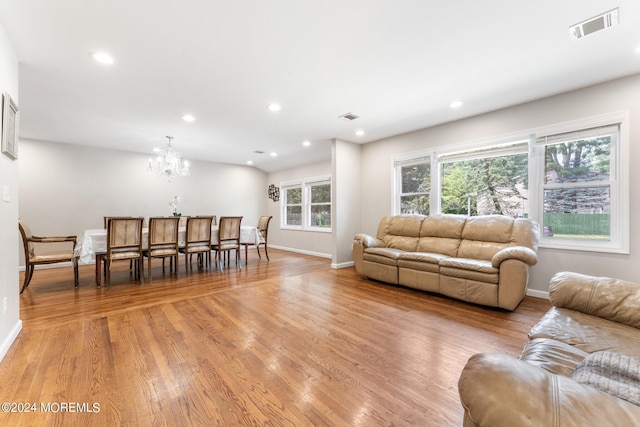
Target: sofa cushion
605 297
441 234
422 261
553 355
401 231
469 264
483 236
613 373
586 332
388 256
431 258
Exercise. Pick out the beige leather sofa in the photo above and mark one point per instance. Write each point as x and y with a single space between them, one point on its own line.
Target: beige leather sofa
480 259
581 366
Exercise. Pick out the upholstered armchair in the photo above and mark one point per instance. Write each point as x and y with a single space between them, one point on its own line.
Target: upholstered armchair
33 257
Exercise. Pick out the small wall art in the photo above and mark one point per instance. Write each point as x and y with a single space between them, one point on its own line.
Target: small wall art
9 127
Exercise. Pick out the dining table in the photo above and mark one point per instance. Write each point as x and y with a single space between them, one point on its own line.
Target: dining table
92 243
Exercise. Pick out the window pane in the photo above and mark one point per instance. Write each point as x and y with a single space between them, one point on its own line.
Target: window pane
294 196
416 178
578 161
492 185
577 213
321 216
416 204
321 193
294 215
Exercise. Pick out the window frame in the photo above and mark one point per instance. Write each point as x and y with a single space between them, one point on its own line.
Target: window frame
316 182
284 191
305 186
618 183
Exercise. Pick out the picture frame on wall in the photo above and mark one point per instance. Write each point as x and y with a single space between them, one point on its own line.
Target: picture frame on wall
9 127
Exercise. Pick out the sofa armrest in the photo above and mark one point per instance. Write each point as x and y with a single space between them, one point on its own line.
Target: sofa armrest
498 390
608 298
368 241
521 253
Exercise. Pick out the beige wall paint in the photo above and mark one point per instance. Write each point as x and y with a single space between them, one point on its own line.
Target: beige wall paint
311 242
617 95
66 188
10 324
346 199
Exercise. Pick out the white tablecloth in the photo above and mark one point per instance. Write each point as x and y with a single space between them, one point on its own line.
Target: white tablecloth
95 240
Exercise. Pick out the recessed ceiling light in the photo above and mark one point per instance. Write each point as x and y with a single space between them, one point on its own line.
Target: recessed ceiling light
274 107
638 49
306 143
360 132
102 57
456 104
274 154
249 162
188 118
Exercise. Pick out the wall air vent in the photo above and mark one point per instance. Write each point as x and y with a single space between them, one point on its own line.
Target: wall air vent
348 116
592 25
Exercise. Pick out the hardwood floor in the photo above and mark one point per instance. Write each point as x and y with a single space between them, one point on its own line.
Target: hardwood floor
290 342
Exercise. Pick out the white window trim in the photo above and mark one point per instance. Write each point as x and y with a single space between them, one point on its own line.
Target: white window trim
284 186
619 185
407 159
304 184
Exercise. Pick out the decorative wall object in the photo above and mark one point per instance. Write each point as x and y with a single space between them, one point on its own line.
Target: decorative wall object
274 193
9 127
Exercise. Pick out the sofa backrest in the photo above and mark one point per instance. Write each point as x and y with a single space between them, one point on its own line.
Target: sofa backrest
400 231
477 237
441 234
483 236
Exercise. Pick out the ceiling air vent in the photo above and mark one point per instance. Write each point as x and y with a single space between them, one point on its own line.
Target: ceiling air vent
348 116
606 20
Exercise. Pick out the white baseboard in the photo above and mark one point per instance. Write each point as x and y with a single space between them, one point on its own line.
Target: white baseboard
301 251
538 294
342 265
8 341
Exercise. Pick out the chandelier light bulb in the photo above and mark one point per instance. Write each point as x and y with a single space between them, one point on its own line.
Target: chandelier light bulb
168 164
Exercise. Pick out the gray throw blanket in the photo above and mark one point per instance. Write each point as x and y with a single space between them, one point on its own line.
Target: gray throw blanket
612 372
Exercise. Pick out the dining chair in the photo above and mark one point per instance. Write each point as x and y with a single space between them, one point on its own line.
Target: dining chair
198 241
32 257
163 242
263 229
228 239
124 242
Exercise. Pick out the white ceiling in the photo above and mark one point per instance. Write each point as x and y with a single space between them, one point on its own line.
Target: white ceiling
397 64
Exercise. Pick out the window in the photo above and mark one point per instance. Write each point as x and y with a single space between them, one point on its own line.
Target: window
319 206
487 181
306 204
413 179
565 176
581 205
292 202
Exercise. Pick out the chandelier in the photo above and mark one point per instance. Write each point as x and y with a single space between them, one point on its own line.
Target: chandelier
168 163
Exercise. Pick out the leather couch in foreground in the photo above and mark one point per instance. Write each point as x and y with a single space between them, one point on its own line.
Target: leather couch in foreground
581 366
480 259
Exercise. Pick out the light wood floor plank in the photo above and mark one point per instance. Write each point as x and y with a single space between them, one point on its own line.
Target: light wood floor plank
289 342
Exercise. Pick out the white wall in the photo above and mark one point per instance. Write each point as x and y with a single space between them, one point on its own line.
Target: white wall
65 189
10 323
346 200
617 95
310 242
